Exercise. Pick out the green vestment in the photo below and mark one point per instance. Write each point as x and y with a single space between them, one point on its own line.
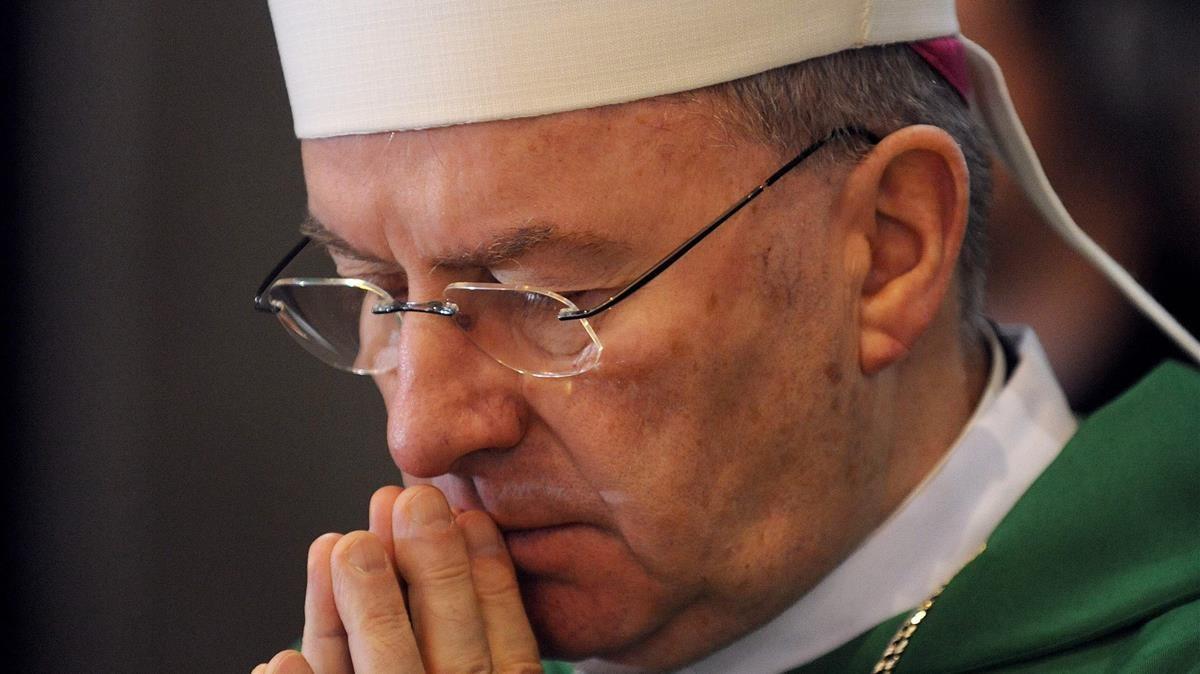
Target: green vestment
1095 569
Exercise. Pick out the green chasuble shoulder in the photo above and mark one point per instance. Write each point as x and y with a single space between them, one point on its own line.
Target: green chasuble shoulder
1096 568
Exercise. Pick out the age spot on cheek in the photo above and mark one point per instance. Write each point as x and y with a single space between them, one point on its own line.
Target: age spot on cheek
765 259
833 372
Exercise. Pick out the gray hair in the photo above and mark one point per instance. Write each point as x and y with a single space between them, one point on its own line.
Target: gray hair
881 89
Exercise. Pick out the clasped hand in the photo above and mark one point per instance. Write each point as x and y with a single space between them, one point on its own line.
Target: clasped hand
422 590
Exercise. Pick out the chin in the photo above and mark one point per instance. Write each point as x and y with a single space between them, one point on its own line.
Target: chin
576 623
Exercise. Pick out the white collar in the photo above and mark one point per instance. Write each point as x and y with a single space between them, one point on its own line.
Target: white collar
1017 429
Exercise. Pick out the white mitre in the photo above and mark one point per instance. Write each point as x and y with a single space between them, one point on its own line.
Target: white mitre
365 66
361 66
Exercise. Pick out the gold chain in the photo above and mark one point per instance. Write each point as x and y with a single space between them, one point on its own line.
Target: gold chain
899 643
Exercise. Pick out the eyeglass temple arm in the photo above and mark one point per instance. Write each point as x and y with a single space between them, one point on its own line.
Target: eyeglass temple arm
259 303
682 250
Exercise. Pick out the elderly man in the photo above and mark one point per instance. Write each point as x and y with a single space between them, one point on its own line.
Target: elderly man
675 311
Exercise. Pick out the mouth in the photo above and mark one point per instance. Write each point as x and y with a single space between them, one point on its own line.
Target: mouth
552 549
550 530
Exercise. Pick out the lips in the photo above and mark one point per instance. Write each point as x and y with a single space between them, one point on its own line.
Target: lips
535 533
521 519
515 521
548 528
552 550
525 506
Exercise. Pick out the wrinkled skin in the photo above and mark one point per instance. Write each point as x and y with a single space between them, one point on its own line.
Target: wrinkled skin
728 451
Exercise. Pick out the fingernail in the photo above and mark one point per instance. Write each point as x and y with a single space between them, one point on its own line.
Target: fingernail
482 539
366 555
425 508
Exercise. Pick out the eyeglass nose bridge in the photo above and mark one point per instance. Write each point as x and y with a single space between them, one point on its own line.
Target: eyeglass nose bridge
435 307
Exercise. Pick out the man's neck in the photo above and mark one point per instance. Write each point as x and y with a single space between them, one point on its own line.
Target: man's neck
939 388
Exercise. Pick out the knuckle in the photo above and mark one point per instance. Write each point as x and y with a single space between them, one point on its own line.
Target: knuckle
380 649
447 572
380 624
494 581
451 617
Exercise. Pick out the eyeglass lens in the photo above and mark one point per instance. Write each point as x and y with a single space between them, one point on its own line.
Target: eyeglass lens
520 328
334 323
333 320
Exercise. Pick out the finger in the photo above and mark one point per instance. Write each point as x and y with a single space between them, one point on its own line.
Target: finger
324 642
380 515
261 669
372 609
432 558
510 638
288 662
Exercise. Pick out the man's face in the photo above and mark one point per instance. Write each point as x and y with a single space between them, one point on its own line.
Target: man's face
714 465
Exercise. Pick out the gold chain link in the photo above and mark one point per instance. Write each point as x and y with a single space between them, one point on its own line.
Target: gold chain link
899 643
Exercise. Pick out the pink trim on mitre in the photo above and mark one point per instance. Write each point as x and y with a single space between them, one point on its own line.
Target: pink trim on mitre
948 57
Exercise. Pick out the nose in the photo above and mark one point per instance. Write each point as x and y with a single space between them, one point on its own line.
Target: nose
446 399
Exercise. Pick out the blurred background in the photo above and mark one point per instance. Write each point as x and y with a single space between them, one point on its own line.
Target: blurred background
172 453
175 452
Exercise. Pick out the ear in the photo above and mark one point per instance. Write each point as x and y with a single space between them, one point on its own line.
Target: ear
906 205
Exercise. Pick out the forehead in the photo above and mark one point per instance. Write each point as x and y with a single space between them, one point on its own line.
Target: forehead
605 166
532 143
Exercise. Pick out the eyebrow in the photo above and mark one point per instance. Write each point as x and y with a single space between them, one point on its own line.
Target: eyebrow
510 245
321 235
533 235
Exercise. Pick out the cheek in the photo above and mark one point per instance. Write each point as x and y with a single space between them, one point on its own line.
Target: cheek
704 406
634 432
656 425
